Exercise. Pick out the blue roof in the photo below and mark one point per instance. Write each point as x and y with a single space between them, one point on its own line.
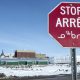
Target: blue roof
22 59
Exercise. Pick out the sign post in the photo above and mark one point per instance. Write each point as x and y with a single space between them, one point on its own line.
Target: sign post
64 26
73 64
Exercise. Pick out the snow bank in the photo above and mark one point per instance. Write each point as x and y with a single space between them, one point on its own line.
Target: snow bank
37 70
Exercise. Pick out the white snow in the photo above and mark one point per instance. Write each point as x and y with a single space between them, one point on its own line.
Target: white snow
38 70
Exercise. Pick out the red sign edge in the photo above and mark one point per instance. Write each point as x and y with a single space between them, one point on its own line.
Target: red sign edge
48 22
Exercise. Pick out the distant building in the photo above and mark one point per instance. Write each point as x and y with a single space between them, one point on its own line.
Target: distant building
41 56
2 54
63 60
51 60
23 61
24 54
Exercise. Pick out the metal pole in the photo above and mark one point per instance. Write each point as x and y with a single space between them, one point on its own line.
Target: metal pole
73 64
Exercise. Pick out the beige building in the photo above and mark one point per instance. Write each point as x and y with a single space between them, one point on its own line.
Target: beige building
42 56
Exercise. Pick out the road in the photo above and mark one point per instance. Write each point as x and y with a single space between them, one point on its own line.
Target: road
58 77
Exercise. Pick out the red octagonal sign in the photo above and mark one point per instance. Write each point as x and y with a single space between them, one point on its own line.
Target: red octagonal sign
64 24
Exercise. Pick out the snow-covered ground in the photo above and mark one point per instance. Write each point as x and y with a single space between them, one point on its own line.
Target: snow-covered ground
38 70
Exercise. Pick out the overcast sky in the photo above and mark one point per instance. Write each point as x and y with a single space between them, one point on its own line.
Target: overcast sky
24 26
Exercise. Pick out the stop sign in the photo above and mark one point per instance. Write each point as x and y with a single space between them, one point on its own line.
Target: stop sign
64 24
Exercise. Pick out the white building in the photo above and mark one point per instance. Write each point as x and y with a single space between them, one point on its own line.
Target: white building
63 60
